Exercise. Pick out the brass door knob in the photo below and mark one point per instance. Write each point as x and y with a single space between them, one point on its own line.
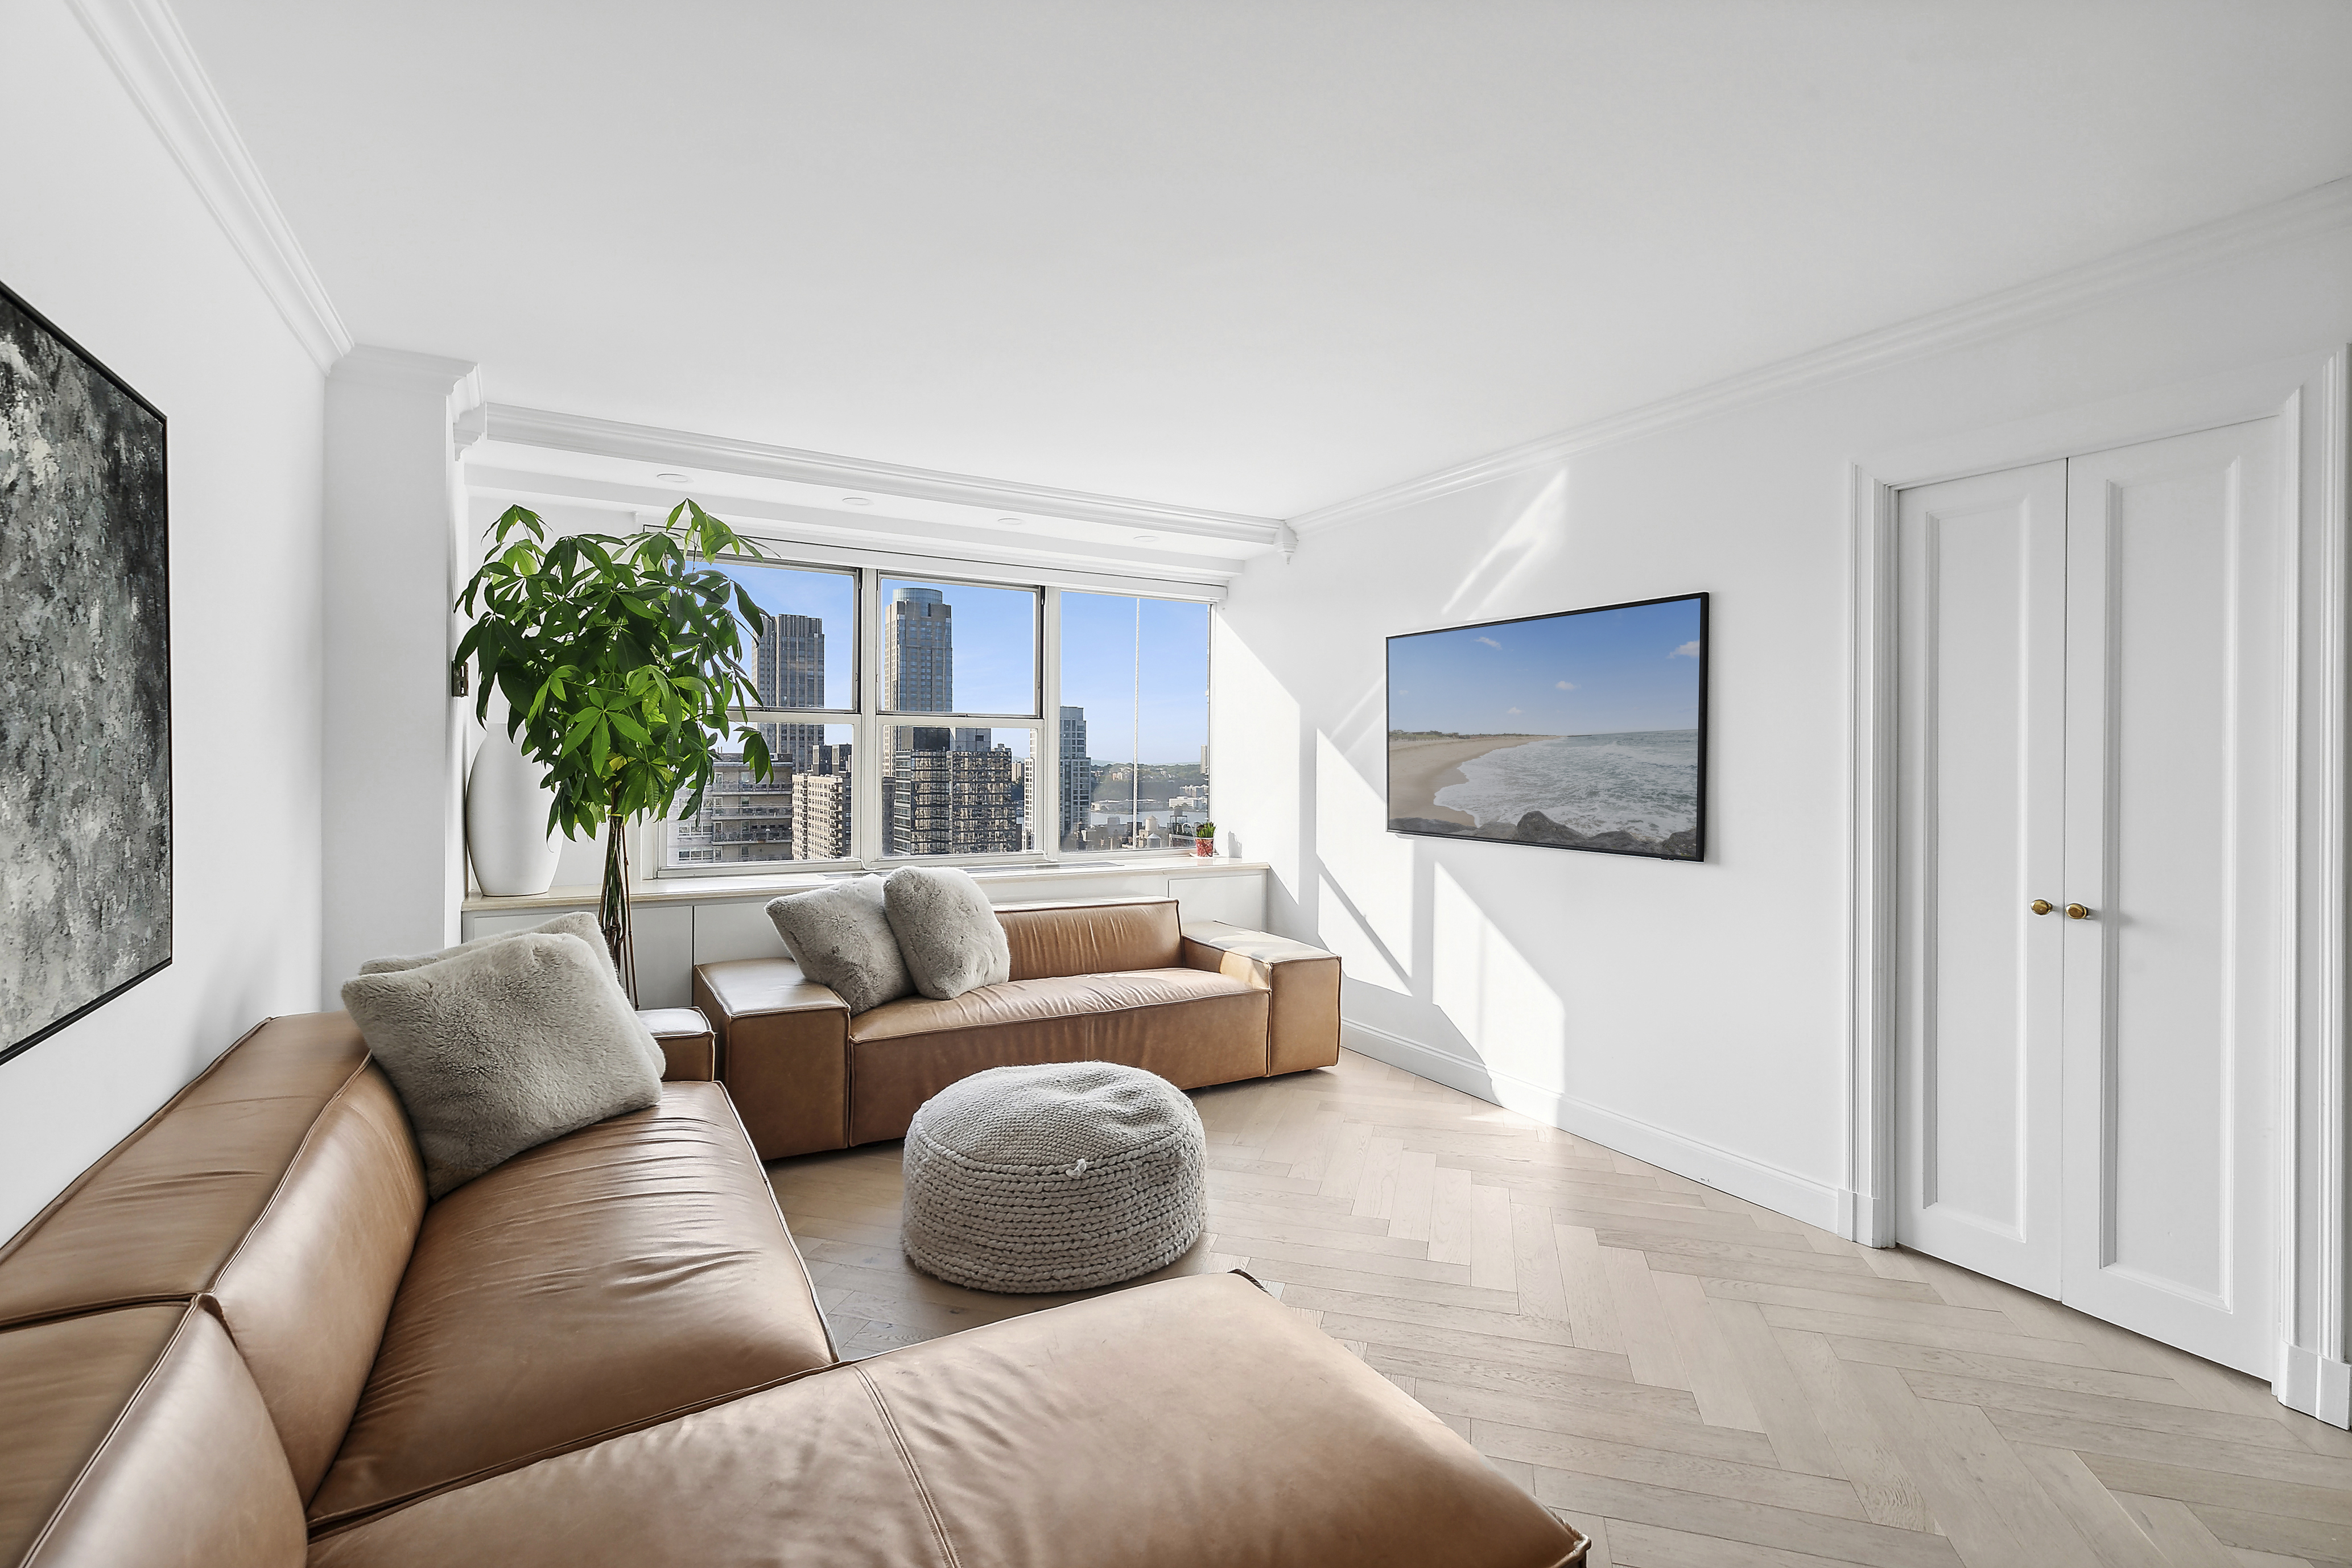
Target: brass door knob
2040 906
2077 912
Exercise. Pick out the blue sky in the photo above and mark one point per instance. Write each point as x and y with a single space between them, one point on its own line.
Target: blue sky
995 644
994 638
1596 673
1098 674
996 632
831 597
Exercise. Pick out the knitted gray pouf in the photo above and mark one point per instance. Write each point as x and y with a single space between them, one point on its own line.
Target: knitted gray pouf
1057 1177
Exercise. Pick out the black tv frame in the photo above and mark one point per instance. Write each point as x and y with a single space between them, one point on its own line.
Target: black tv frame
1706 652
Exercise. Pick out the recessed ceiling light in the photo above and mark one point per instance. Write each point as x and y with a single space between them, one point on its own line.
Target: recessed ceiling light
1147 539
858 500
1010 522
671 479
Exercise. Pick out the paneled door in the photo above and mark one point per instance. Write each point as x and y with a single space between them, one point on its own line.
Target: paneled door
1983 768
2095 861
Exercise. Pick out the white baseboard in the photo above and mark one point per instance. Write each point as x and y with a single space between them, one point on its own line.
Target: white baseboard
2318 1386
1868 1220
1783 1191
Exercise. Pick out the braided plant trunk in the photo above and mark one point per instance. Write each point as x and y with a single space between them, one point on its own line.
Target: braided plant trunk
613 904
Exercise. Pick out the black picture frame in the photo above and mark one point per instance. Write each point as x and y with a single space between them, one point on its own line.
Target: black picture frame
1557 836
86 825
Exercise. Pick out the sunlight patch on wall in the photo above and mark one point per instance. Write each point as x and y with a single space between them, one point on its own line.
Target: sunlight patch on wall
1512 1018
1363 958
1254 745
1368 868
1538 531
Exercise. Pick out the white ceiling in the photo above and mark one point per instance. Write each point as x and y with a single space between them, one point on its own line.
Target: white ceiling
1252 255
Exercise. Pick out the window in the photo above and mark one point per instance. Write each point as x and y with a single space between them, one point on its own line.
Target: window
958 648
801 656
804 652
1134 721
801 812
960 791
905 718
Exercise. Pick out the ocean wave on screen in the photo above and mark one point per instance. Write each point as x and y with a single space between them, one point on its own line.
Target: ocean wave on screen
1642 781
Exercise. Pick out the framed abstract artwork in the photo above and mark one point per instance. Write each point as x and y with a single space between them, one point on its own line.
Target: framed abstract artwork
1585 730
85 683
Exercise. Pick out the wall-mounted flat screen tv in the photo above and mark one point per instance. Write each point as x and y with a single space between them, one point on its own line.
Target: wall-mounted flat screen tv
1585 730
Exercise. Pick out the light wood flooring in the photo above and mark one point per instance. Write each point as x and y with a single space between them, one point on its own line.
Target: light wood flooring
1692 1381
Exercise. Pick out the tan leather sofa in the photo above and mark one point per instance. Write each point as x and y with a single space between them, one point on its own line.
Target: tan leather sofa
245 1340
1118 981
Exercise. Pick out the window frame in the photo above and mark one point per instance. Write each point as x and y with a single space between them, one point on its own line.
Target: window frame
867 719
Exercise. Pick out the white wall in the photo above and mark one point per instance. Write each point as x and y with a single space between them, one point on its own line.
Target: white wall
103 235
1691 1015
395 870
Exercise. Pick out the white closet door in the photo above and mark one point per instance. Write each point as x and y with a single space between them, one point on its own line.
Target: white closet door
1982 763
2176 822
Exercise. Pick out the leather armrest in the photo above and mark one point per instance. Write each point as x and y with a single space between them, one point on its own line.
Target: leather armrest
688 1045
784 1052
1303 1013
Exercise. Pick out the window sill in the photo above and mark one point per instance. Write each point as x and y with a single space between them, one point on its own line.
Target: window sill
743 889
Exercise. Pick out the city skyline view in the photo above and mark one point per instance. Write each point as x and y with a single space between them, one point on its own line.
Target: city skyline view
994 658
960 789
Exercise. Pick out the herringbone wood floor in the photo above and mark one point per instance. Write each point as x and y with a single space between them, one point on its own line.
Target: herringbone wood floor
1692 1381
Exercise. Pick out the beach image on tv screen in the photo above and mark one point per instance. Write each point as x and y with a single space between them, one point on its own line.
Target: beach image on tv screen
1580 730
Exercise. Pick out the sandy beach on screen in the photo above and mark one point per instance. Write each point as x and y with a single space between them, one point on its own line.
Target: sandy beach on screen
1419 769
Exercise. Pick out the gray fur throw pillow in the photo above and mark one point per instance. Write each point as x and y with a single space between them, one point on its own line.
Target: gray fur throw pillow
580 923
841 939
948 931
504 1047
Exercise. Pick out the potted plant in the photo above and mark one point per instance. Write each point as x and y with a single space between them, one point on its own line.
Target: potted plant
620 662
1204 840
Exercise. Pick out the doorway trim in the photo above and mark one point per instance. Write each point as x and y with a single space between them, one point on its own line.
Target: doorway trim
2309 394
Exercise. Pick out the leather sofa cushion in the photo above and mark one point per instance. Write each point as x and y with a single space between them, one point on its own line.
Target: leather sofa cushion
157 1217
285 1182
609 1279
137 1435
690 1049
304 1299
1050 940
1188 1025
785 1052
1243 1436
1302 984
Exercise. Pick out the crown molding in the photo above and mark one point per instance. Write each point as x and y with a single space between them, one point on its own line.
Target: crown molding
724 454
142 41
2320 210
403 369
788 522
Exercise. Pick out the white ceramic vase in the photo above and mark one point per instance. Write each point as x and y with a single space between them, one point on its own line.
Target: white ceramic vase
506 821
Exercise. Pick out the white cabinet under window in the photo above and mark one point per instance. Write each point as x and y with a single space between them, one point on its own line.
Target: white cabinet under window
2095 699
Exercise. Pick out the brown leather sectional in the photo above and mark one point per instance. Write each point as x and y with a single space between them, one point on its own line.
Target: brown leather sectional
1118 981
245 1340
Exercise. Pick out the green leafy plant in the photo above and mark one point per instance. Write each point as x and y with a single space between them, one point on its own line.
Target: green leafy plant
620 663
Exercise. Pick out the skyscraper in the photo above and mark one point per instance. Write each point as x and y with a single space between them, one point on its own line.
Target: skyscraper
919 664
821 807
788 671
741 818
947 790
919 651
1078 779
947 801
